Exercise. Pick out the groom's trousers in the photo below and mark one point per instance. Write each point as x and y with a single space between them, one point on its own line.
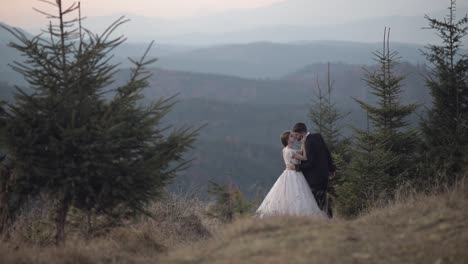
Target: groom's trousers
320 196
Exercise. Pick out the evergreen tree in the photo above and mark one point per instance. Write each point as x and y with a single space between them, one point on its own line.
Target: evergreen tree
445 128
70 141
5 185
326 117
366 178
389 118
383 157
229 202
5 92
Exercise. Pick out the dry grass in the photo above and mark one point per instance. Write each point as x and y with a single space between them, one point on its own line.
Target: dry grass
415 229
178 221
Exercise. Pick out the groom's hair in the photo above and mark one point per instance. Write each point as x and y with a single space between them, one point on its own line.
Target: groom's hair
285 138
299 128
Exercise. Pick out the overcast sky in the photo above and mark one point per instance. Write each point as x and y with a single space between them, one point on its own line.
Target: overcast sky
19 12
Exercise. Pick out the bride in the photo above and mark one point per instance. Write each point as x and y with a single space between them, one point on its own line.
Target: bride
290 195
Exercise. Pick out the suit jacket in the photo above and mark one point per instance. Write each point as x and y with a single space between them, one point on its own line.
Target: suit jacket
319 163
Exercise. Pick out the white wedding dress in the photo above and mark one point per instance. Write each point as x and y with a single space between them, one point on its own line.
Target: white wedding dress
290 195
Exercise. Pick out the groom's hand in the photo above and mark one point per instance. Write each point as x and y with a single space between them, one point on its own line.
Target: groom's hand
298 167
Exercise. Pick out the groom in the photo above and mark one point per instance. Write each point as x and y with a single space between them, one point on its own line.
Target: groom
319 165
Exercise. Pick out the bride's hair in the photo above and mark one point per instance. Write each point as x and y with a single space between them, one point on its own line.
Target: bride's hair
285 138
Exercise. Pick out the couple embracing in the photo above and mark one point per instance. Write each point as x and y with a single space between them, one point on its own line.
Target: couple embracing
302 188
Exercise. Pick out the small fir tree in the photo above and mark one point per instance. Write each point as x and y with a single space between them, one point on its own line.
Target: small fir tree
383 157
229 202
366 178
445 128
327 118
70 140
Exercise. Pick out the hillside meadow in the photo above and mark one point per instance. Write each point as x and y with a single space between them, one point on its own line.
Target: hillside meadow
416 228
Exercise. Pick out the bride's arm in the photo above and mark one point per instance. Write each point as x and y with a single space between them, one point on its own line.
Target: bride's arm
298 155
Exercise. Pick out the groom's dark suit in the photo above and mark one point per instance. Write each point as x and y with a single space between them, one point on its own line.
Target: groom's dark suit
317 168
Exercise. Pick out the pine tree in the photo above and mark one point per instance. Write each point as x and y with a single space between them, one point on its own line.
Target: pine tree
325 115
383 156
229 202
445 128
389 117
326 118
5 92
70 140
5 186
366 178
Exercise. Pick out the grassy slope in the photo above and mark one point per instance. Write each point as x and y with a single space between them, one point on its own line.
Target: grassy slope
424 229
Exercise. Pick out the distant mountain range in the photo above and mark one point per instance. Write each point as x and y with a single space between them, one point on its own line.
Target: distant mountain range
294 89
257 60
244 117
273 41
274 60
288 21
406 29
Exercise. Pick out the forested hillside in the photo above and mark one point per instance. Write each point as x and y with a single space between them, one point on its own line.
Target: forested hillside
246 115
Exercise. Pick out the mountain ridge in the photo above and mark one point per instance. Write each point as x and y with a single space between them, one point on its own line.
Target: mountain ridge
241 25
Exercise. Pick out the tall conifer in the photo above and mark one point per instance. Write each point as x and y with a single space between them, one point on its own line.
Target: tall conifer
383 156
445 128
79 141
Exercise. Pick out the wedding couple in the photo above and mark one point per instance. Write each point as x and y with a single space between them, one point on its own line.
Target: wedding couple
301 189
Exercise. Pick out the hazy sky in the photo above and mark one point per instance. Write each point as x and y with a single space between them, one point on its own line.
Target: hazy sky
292 12
19 12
